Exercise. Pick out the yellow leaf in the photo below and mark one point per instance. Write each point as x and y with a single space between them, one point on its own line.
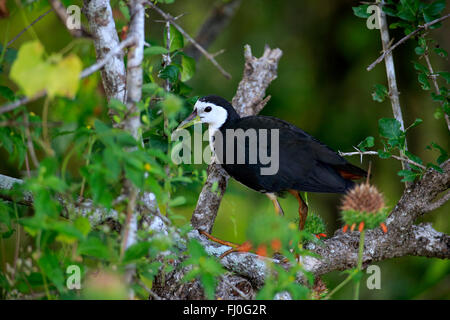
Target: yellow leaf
29 69
63 78
59 77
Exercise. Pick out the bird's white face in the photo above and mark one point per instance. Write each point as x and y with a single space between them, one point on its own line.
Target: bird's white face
214 115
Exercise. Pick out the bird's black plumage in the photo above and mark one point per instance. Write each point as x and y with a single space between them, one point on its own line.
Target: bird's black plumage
305 163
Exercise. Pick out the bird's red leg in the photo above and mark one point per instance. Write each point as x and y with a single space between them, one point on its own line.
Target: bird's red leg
302 209
212 238
245 247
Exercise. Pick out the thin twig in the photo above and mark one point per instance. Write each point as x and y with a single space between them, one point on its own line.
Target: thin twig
149 291
394 95
61 12
166 62
129 41
28 27
30 145
436 86
438 203
213 26
14 105
375 153
12 123
239 292
208 56
391 48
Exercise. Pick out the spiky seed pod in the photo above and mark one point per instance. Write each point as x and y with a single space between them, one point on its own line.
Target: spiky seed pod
363 206
363 198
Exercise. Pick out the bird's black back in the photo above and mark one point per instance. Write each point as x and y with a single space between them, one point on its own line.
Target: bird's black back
305 163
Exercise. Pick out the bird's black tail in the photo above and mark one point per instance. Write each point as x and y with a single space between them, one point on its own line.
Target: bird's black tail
350 172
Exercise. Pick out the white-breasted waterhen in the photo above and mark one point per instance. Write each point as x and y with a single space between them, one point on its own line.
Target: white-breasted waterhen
304 163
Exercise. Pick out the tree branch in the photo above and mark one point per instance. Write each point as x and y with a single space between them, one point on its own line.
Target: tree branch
390 73
214 25
61 12
388 50
375 153
436 86
10 42
209 56
103 30
129 41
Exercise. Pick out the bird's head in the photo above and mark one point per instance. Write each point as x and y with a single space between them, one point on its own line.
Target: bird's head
213 110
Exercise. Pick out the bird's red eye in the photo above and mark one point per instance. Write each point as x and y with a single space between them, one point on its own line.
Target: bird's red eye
208 109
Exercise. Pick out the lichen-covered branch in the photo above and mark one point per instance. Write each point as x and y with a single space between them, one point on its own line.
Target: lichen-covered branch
340 252
103 30
394 94
132 122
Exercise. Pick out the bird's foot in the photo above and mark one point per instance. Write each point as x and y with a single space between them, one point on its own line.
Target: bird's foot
245 247
361 227
212 238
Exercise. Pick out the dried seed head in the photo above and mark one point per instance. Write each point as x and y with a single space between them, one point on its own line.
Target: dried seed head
363 198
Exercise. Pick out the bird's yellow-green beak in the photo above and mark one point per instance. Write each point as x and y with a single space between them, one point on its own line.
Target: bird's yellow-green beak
189 121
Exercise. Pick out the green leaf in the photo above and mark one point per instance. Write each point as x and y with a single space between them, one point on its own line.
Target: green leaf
419 51
136 251
389 128
435 8
83 225
441 52
172 104
178 201
445 75
413 157
443 154
49 265
384 154
94 247
368 142
423 80
414 124
437 97
188 65
420 67
5 211
176 39
170 72
361 11
66 230
380 93
7 93
408 175
154 50
209 284
124 10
